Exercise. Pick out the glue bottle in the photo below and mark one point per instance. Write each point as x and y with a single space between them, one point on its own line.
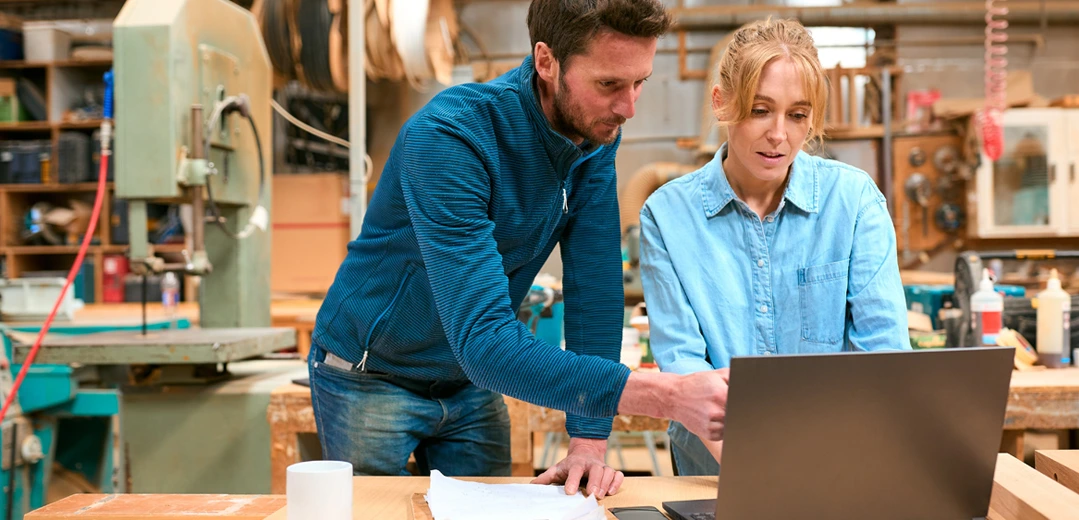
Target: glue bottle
1054 324
170 296
987 307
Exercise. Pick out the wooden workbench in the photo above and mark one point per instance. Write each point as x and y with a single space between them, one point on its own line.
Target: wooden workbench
1042 399
1019 493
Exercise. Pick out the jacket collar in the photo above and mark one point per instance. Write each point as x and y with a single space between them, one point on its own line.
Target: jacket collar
562 152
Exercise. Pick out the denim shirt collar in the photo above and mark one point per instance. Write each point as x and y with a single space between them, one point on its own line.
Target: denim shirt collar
803 185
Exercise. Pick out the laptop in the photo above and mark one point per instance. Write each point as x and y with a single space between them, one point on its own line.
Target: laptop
880 435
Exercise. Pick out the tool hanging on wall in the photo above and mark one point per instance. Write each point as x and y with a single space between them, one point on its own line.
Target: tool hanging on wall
946 160
950 217
917 157
919 190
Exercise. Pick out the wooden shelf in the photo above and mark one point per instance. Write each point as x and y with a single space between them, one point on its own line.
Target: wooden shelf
82 63
46 250
113 249
53 188
167 248
24 126
158 248
23 64
80 125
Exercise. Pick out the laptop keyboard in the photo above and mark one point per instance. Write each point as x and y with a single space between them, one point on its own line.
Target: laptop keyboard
702 516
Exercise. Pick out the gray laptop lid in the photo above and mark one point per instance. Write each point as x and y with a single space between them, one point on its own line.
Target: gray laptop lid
883 435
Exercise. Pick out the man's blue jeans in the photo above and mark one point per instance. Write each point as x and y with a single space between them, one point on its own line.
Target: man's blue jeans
374 422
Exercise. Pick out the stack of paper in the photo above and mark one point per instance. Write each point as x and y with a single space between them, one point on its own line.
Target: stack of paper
452 499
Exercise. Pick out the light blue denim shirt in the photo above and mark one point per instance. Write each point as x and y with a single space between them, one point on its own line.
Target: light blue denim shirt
819 274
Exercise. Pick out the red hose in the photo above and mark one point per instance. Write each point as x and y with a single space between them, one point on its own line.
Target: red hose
101 176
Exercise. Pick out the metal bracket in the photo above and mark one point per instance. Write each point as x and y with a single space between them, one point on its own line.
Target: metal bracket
192 172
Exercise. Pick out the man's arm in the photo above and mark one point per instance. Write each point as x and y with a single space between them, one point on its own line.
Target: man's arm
875 298
592 288
447 190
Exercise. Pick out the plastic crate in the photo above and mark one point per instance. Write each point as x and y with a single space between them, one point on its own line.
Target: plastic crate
26 299
45 41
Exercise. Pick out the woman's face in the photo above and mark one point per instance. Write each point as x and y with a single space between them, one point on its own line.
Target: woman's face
765 144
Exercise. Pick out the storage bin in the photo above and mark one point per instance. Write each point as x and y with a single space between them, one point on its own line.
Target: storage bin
45 41
29 299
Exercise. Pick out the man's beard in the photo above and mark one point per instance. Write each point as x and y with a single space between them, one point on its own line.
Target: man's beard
571 122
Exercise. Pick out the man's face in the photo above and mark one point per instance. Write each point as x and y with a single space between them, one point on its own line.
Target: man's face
596 91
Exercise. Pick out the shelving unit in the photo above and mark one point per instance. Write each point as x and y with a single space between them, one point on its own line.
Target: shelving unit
62 83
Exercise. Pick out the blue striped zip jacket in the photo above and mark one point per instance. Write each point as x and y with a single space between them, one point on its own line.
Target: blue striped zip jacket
476 193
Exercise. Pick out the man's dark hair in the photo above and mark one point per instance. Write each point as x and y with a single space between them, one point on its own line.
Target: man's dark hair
566 26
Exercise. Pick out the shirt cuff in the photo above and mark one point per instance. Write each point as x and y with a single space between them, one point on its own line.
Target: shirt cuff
588 427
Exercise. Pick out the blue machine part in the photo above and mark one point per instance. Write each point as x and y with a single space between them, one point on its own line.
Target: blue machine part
542 311
929 299
78 428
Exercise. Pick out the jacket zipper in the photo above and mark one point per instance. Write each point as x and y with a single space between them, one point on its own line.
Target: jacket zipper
362 366
572 168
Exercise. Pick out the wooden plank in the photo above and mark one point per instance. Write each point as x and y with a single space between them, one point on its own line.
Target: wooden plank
1044 399
1020 492
1059 465
289 413
160 507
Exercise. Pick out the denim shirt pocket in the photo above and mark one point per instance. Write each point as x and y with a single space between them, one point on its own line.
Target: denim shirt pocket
822 290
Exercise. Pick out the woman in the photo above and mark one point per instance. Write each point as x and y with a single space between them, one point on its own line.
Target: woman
767 249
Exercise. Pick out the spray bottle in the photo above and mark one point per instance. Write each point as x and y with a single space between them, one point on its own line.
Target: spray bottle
987 307
1054 324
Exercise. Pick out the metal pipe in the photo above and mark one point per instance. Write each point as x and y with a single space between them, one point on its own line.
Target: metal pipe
11 472
864 14
357 115
886 142
198 143
198 211
198 219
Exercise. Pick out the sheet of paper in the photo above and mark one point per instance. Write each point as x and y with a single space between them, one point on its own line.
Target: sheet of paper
452 499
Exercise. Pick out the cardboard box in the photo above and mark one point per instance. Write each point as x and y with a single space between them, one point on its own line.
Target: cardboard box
310 231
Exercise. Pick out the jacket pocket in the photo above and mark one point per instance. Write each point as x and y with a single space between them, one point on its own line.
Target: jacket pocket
410 320
823 293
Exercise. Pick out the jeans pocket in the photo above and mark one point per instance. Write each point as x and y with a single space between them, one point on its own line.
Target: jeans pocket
822 290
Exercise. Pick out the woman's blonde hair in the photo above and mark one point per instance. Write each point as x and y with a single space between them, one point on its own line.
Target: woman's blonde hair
754 46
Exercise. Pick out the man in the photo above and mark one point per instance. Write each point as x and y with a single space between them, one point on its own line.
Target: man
418 338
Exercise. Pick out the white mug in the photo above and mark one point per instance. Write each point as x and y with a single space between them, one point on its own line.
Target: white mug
319 490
